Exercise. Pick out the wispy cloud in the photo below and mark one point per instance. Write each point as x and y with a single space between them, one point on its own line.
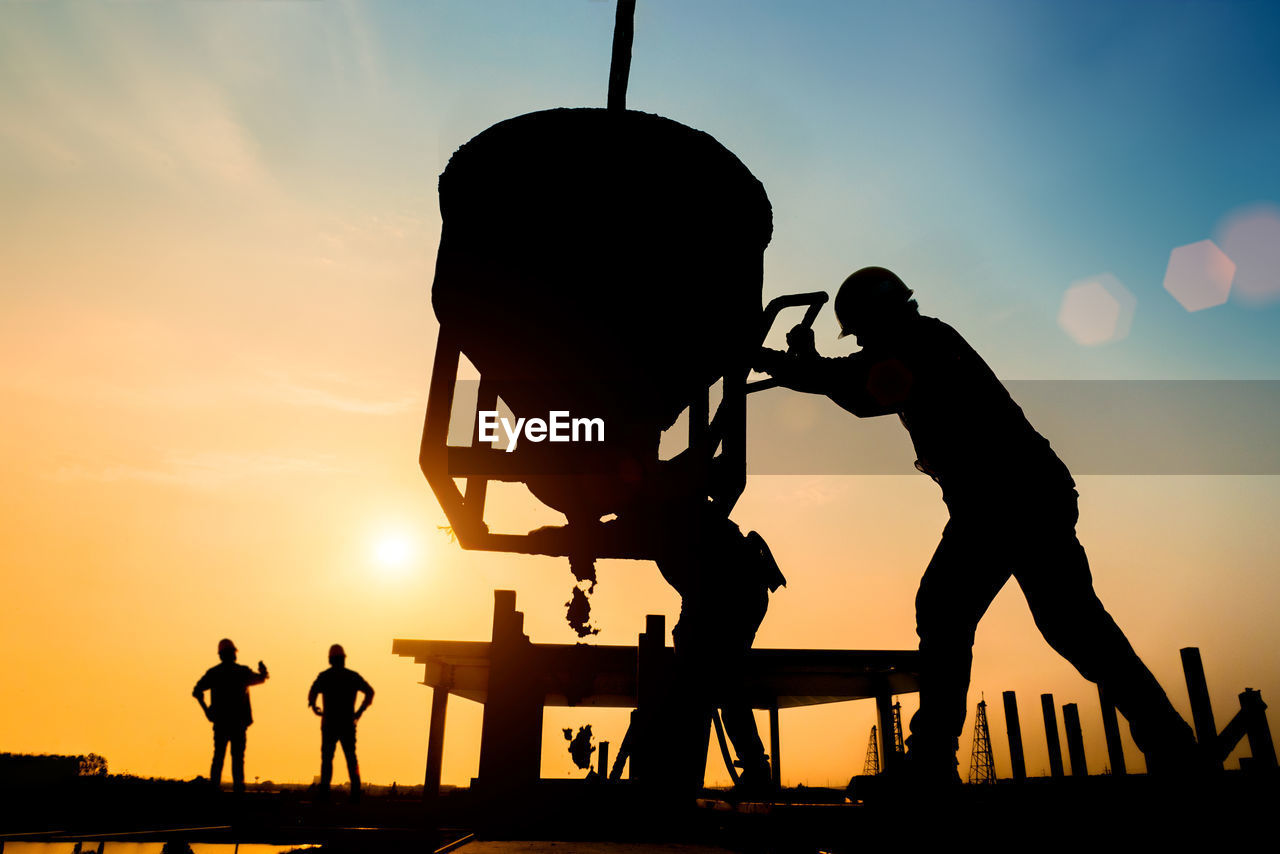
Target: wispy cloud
89 355
82 100
208 469
291 392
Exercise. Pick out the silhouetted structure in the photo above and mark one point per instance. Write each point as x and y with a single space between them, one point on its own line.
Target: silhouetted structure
1111 729
1051 739
871 764
515 679
228 710
1198 693
899 747
982 763
1075 740
533 210
1013 508
608 264
339 686
1250 722
1013 727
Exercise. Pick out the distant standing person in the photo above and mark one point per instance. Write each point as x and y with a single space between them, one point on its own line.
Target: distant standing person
228 709
339 687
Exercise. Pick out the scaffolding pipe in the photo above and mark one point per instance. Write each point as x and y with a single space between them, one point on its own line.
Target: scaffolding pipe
1051 735
1014 729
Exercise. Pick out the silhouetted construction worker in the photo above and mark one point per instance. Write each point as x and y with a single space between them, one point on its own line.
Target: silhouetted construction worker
339 687
1013 508
724 579
228 709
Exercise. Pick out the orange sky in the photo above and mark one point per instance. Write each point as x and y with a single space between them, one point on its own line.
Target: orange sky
217 340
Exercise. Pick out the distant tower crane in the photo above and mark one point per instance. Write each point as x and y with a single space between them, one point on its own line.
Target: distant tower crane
982 765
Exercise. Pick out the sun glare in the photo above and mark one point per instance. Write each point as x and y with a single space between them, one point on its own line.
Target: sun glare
393 551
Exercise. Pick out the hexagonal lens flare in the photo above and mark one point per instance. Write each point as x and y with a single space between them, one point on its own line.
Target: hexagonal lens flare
1251 238
1199 275
1097 310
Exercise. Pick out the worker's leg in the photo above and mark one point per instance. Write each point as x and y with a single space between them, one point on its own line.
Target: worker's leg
237 758
328 742
740 726
965 574
348 739
1059 589
219 752
735 709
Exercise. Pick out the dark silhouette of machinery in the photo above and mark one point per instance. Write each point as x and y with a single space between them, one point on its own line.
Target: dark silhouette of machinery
606 264
603 263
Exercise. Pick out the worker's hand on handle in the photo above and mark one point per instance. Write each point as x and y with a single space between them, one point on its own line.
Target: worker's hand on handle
262 670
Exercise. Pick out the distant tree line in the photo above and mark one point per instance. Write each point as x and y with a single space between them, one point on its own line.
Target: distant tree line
50 767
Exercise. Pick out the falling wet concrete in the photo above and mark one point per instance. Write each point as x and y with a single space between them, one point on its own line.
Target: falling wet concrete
579 606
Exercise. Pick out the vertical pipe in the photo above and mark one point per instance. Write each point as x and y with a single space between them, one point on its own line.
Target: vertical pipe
651 696
1111 728
435 741
603 756
775 746
1075 740
1051 735
1198 693
511 728
1014 728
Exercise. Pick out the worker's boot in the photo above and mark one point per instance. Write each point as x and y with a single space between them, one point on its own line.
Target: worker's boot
930 763
755 781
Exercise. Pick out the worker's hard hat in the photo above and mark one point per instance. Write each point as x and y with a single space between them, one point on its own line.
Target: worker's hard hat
336 651
225 645
871 289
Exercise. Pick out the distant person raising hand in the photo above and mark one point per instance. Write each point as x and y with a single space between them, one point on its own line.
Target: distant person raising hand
228 709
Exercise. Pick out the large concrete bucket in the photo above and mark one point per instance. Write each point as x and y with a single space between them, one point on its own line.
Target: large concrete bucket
608 263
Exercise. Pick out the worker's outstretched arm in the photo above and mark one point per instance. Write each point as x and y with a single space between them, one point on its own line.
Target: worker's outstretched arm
847 380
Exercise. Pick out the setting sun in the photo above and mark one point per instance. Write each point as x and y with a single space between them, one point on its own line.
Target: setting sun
393 551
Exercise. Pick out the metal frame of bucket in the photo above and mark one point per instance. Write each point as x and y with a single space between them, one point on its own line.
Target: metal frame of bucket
725 472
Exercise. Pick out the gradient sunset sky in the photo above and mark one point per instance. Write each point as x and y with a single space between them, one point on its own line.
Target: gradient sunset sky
219 226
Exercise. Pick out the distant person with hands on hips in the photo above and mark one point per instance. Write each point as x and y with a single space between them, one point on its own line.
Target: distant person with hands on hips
228 709
339 687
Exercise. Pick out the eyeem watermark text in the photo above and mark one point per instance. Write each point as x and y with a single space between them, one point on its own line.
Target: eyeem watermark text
557 427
